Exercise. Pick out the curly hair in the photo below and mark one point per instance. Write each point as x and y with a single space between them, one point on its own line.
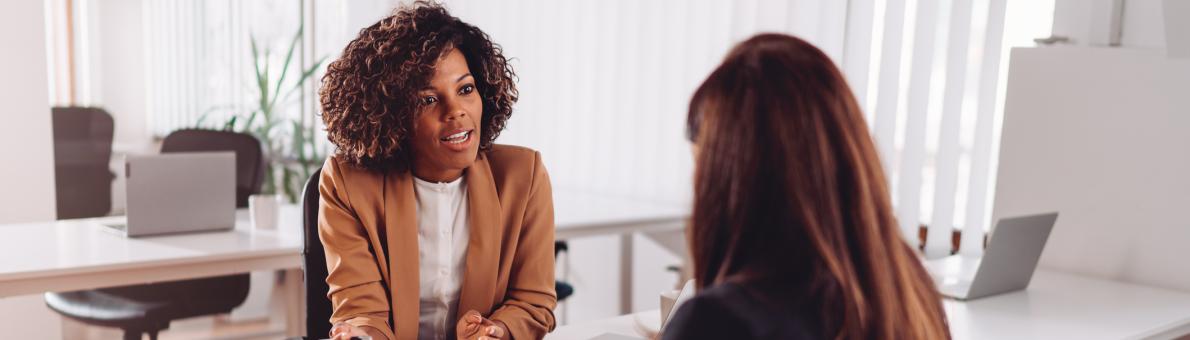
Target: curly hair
369 94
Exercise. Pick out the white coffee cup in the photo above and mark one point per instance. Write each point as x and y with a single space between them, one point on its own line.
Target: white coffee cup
264 210
667 303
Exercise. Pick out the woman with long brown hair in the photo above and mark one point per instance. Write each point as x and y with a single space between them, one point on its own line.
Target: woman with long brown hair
792 233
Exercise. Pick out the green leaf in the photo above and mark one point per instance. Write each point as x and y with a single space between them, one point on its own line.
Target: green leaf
248 125
293 43
231 124
305 76
287 179
260 77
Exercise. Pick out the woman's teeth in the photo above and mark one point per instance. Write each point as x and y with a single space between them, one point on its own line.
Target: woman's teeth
457 138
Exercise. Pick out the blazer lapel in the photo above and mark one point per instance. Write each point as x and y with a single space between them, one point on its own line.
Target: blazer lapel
400 217
483 249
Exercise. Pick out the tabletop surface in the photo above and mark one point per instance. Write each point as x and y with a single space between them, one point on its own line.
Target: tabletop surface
87 245
1056 306
1073 307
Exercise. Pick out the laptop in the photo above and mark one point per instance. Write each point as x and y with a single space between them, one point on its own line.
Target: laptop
1007 263
178 193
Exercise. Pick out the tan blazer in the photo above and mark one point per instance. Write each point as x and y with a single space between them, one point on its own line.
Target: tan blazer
368 224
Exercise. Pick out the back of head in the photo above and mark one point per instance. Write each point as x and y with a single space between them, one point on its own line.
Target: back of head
789 188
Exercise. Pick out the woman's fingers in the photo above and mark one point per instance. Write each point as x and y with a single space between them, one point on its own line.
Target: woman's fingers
343 331
469 325
338 331
472 317
473 324
495 331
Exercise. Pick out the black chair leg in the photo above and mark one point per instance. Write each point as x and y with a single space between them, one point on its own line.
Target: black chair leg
136 334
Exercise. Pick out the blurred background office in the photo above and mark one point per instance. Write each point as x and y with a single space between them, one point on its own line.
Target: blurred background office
604 87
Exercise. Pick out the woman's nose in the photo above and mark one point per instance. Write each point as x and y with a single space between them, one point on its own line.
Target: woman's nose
455 110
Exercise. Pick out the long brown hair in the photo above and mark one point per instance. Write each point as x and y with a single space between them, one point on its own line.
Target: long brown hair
789 188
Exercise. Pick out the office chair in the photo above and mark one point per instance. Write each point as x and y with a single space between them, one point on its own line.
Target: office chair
250 159
149 308
562 288
318 306
82 153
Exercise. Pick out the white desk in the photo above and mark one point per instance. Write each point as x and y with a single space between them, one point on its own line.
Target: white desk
83 254
641 324
1066 306
1056 306
581 214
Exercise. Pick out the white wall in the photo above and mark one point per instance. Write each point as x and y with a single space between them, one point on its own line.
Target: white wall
1122 154
26 137
26 134
1087 22
119 72
1101 135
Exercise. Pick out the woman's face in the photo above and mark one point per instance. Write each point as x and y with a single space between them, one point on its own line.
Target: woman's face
446 132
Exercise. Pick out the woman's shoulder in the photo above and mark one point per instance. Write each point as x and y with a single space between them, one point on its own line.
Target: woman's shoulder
511 155
513 161
735 311
339 173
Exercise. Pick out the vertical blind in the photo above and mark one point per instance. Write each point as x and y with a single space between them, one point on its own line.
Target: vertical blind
199 65
605 84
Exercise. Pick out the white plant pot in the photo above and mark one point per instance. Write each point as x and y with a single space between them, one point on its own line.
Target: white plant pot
264 211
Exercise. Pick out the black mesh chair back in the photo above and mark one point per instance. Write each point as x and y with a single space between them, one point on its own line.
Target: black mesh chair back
318 306
250 160
82 152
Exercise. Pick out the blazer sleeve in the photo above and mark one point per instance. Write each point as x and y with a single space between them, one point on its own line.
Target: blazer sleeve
529 302
356 290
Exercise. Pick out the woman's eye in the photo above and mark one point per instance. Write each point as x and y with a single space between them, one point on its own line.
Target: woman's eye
467 89
427 100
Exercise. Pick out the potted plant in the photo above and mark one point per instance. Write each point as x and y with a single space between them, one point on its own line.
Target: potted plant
291 148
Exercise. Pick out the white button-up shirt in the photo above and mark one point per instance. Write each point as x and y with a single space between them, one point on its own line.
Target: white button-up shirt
442 235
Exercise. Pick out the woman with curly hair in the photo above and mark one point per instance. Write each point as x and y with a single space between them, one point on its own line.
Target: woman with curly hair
431 230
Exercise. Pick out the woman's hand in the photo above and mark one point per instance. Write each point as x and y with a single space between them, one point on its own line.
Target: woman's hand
474 326
345 331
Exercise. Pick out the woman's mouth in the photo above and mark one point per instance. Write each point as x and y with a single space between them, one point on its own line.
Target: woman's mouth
457 138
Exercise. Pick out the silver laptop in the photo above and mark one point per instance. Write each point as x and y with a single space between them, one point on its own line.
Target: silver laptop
179 192
1007 263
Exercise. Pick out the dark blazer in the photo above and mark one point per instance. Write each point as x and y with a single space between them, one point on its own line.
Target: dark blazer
735 311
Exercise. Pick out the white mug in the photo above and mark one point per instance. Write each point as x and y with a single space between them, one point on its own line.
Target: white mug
667 303
264 210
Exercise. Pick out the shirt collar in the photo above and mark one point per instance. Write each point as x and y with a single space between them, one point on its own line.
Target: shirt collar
452 186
